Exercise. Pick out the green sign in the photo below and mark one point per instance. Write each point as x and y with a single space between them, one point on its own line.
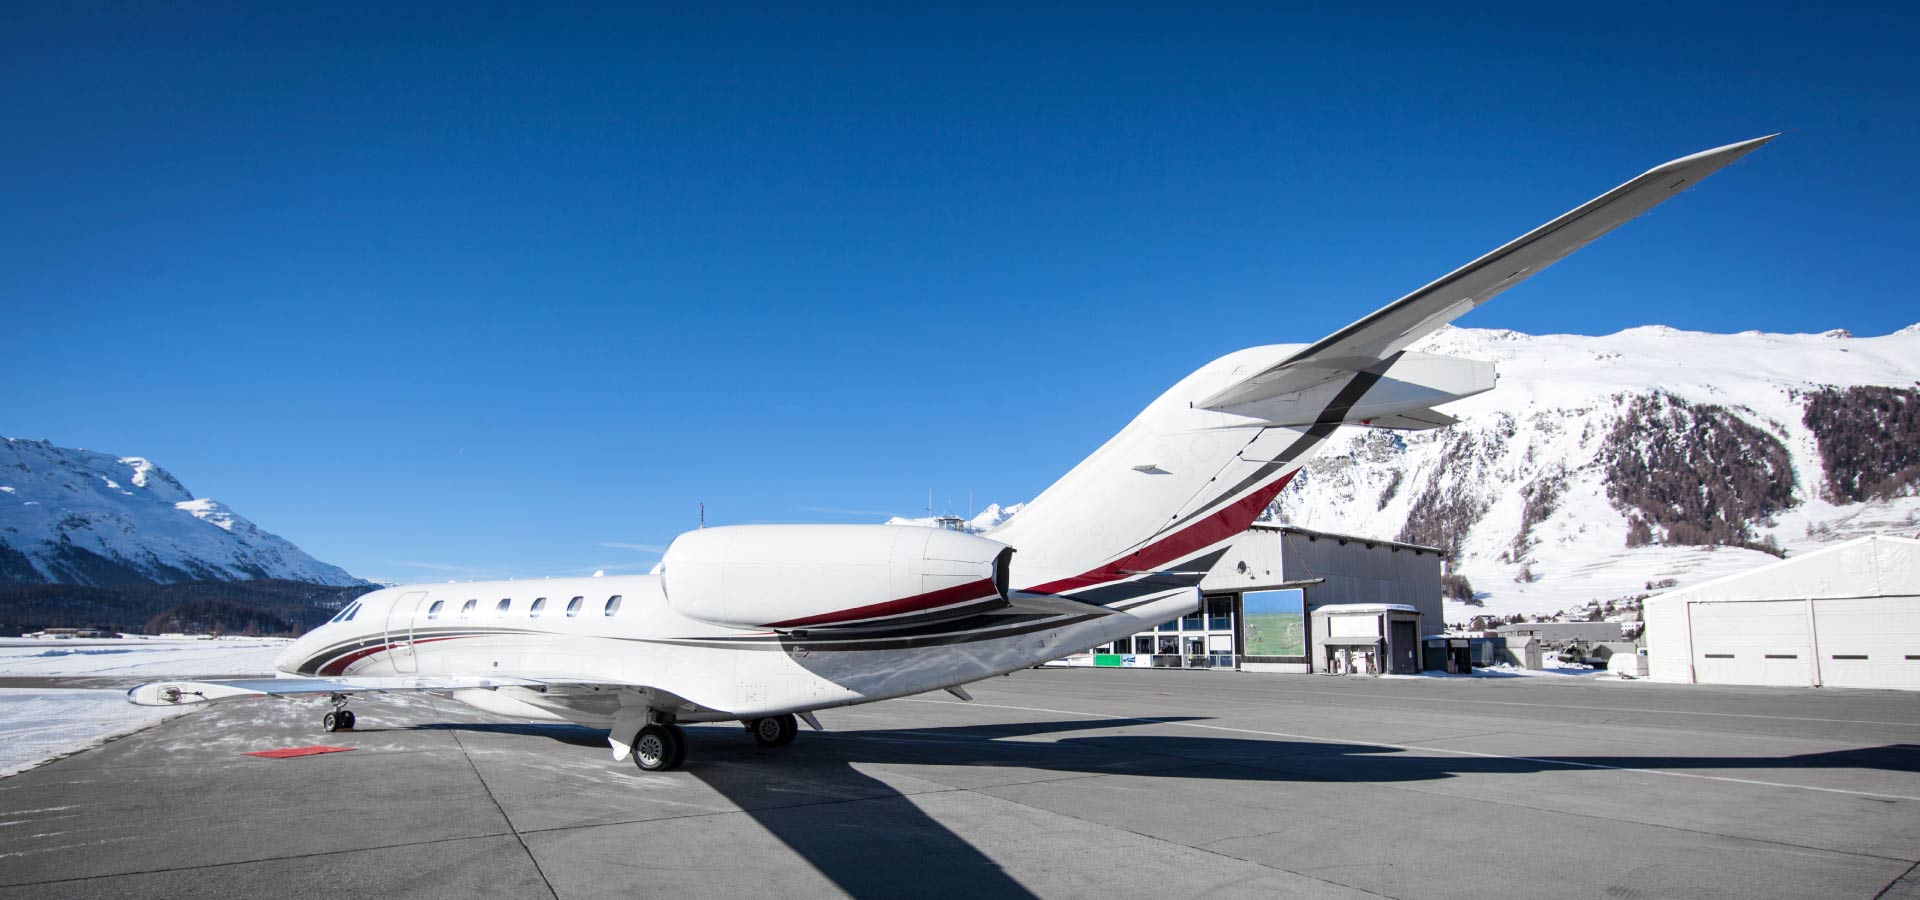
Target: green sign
1276 623
1109 659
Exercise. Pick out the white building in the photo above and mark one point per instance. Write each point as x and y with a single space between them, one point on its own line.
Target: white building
1846 616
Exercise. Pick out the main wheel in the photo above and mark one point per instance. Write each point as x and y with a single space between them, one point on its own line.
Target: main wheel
680 741
774 731
330 721
657 749
346 720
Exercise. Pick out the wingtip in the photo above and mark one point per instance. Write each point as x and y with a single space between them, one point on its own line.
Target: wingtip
1719 156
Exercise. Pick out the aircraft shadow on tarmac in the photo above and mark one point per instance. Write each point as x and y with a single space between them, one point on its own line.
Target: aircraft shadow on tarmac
887 846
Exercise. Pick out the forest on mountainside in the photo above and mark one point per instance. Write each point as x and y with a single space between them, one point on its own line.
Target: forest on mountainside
260 607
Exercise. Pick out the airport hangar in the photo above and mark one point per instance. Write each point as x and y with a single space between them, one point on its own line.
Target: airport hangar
1845 616
1286 599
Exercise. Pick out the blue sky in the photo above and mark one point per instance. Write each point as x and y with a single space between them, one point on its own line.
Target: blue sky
508 291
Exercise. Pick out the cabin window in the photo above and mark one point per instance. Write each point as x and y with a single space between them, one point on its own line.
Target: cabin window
573 606
500 609
467 608
433 612
539 603
613 605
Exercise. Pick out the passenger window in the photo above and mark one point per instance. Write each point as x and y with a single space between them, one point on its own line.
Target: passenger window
539 603
501 609
613 605
573 607
467 609
433 612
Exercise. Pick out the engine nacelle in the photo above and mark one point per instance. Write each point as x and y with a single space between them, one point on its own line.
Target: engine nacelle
787 577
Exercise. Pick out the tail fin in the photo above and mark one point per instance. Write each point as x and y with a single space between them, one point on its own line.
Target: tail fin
1156 505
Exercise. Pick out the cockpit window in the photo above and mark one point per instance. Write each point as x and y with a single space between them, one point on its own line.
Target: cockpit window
467 608
573 607
539 603
613 605
433 612
353 609
500 609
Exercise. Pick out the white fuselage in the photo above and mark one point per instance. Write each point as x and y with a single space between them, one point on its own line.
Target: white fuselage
707 672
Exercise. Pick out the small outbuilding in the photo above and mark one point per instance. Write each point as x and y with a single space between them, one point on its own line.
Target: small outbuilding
1845 616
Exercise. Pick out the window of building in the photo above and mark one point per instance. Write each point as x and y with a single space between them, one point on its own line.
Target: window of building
1219 613
539 603
433 612
573 606
467 608
1142 645
613 605
500 609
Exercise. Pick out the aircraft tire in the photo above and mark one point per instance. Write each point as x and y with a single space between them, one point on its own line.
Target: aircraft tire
330 722
774 731
680 743
346 720
657 749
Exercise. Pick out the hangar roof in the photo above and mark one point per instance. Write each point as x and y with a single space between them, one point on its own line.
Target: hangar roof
1877 566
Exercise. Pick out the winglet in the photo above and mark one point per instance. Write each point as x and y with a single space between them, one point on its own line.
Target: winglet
1393 327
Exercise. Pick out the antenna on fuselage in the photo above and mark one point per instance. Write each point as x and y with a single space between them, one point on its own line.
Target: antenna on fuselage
703 515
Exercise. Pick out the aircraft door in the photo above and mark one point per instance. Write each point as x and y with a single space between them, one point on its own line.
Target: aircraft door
400 621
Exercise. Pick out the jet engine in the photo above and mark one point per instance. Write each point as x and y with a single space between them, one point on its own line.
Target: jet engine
805 577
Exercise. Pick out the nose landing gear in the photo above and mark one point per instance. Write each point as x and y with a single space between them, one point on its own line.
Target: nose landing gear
341 718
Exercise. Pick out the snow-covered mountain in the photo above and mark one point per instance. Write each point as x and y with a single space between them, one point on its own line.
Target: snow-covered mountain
987 518
1604 467
80 517
1615 466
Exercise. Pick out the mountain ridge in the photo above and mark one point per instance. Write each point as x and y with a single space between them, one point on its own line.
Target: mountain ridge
71 516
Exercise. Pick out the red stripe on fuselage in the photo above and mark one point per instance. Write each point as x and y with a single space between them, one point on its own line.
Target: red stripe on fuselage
1230 520
339 666
959 593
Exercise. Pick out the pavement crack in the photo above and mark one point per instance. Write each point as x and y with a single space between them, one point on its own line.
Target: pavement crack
502 811
1904 876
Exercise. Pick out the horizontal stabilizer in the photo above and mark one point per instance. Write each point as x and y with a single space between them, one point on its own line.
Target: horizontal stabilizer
1418 420
1053 605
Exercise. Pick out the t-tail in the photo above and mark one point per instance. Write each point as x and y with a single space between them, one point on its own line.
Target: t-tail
1156 505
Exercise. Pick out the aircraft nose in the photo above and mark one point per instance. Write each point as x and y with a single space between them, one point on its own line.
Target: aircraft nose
288 662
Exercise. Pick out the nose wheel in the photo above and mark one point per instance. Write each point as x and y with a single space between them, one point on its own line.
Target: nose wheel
341 718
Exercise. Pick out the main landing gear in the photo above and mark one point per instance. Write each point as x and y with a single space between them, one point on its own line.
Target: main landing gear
773 731
341 718
660 745
658 748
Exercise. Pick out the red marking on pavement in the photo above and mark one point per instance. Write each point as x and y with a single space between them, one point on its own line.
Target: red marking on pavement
290 752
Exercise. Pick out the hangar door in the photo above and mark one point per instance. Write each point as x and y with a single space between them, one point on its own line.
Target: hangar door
1751 642
1869 642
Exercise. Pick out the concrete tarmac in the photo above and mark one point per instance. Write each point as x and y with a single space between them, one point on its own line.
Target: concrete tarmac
1054 783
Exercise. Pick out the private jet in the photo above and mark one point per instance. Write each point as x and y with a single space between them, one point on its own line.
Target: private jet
761 624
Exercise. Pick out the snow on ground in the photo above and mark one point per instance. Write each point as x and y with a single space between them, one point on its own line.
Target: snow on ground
39 725
158 657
